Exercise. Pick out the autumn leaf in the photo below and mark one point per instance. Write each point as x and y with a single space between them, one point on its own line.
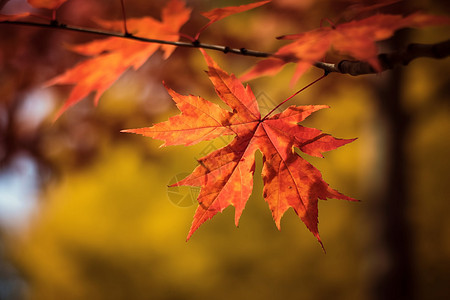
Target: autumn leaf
13 17
49 4
226 175
217 14
116 55
356 38
362 8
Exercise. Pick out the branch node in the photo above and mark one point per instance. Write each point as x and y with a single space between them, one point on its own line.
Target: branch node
226 49
339 66
243 51
386 62
196 43
54 23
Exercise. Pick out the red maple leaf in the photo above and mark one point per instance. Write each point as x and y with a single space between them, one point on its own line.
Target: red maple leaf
13 17
218 14
116 55
226 175
356 38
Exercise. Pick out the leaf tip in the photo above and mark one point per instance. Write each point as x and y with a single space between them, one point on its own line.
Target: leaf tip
191 231
59 114
323 247
278 224
316 234
174 184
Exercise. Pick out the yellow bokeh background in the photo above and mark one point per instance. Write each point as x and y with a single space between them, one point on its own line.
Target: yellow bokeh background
108 228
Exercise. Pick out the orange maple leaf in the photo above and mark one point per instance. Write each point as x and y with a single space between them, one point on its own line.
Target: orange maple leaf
356 38
49 4
218 14
113 56
226 175
14 17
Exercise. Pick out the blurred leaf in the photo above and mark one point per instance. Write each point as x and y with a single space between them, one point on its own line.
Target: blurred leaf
49 4
355 38
218 14
116 55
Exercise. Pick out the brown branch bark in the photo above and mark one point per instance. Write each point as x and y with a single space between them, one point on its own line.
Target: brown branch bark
390 60
387 60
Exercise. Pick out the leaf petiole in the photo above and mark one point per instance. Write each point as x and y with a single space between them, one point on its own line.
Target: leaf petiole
295 94
124 16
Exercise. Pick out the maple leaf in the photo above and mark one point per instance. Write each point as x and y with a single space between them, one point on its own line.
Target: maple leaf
49 4
13 17
359 8
355 38
226 175
218 14
117 55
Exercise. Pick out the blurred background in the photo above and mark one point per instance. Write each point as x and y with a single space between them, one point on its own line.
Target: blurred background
85 212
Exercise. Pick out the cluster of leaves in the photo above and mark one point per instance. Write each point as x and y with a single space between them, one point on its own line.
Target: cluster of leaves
226 175
356 38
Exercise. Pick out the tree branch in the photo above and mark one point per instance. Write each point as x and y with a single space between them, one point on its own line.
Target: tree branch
195 44
387 60
390 60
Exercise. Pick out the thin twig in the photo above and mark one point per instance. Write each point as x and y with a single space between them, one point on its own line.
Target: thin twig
60 26
387 60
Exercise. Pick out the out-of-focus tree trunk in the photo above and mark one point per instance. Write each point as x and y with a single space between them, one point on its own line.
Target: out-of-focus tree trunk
390 254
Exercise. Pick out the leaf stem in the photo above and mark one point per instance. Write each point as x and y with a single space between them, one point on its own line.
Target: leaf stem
202 29
124 16
295 94
333 26
186 36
